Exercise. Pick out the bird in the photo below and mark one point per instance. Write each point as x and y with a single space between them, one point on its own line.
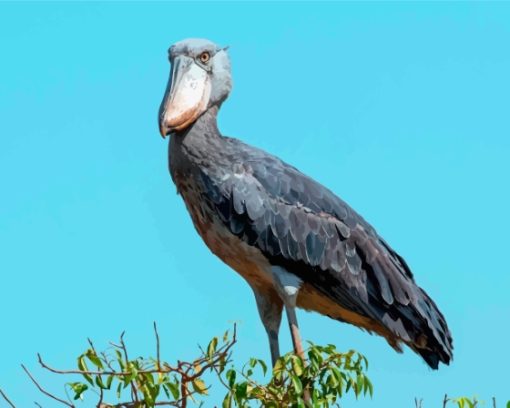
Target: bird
296 243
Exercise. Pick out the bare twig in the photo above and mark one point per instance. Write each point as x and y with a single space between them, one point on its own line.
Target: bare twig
123 346
493 402
44 391
445 400
158 365
7 399
107 362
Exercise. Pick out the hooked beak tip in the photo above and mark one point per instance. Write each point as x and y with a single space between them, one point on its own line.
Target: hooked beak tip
163 130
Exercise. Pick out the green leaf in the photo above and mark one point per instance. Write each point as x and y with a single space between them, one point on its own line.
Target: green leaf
278 367
109 382
298 386
227 401
173 388
199 386
94 359
241 391
297 365
300 403
330 349
99 382
508 404
225 336
263 365
165 389
79 389
348 386
131 368
463 402
359 384
336 373
82 366
231 377
211 349
315 356
256 393
154 390
365 360
370 387
120 360
149 378
148 394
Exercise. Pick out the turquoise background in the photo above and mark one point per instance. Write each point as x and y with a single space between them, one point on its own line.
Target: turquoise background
400 108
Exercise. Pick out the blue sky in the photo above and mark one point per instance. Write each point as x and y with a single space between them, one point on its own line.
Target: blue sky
400 108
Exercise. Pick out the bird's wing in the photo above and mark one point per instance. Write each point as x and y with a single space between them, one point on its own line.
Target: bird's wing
302 226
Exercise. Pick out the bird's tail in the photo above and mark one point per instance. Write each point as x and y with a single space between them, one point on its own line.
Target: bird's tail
429 333
415 319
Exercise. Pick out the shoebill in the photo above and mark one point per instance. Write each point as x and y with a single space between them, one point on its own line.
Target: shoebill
296 243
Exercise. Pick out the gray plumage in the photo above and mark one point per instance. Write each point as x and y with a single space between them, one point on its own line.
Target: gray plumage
236 193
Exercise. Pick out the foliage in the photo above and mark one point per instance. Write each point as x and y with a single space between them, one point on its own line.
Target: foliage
319 381
139 382
466 402
460 402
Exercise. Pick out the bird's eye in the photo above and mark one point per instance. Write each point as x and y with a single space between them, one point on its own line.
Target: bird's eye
204 57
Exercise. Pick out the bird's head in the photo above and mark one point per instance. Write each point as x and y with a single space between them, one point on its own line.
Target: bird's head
199 79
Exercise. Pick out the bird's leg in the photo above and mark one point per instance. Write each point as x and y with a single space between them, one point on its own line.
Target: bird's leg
287 284
296 340
270 308
294 331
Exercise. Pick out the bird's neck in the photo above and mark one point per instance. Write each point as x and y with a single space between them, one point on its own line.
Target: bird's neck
198 144
205 127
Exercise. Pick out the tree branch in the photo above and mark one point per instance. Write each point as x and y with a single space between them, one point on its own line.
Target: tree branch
7 399
114 373
44 391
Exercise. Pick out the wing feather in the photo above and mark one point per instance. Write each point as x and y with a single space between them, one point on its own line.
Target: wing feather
302 226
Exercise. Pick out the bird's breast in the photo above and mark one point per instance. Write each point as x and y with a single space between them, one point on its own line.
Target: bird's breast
247 260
